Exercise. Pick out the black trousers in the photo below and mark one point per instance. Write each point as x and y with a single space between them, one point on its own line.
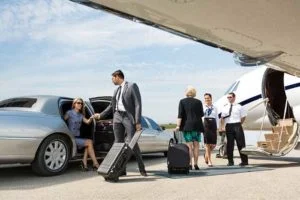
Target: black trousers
235 132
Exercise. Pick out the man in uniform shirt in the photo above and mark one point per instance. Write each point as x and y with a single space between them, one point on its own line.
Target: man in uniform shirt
233 115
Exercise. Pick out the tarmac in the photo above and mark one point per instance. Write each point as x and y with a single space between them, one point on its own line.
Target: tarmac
264 178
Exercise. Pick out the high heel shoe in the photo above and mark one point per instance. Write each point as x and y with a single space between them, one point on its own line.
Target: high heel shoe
196 167
83 167
95 167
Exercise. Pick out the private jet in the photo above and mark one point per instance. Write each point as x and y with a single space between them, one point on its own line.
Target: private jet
256 32
263 109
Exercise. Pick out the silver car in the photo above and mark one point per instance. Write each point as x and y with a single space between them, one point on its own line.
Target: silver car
32 131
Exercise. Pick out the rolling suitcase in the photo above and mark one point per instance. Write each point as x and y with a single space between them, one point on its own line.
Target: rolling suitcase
178 158
116 159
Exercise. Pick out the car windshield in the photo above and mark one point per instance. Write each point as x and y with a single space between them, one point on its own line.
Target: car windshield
18 102
144 123
153 124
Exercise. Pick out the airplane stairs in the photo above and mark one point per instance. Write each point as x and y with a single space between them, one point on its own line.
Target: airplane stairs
280 141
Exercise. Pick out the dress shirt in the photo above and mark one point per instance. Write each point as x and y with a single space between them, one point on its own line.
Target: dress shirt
237 113
120 106
213 114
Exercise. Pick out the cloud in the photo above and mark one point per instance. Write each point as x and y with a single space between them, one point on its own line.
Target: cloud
161 89
62 48
60 21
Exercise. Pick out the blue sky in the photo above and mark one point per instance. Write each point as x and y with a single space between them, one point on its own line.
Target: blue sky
62 48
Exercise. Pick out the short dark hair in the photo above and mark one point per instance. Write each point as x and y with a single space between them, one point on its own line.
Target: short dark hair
207 94
232 94
118 73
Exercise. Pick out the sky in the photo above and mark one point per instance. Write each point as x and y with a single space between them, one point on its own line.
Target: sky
57 47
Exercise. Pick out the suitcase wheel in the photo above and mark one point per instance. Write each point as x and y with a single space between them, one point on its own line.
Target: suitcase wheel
115 179
187 171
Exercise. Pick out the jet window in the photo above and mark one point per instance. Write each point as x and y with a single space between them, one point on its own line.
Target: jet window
233 87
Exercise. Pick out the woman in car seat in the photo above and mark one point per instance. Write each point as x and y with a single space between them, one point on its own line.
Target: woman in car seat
75 117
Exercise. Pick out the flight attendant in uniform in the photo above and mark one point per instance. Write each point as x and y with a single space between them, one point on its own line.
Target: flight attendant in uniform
232 117
211 126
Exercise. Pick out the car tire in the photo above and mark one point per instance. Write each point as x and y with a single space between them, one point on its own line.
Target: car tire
170 142
52 157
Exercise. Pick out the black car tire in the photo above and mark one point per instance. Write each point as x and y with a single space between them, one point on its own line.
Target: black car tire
170 142
39 165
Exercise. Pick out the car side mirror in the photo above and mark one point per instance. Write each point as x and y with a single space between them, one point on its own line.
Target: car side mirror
163 128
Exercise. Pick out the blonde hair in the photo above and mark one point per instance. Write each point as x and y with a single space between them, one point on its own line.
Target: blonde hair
190 91
82 111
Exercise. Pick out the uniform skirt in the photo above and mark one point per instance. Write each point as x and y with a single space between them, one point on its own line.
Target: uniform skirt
210 131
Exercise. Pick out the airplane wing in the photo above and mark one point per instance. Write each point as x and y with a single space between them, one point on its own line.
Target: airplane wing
256 30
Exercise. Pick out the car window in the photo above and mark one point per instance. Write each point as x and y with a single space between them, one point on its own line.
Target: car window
144 123
100 106
18 102
153 124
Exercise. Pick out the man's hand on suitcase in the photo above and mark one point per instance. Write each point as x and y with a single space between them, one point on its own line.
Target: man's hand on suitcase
138 127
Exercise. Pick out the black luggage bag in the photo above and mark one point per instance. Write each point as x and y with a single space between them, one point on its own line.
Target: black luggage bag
178 158
116 159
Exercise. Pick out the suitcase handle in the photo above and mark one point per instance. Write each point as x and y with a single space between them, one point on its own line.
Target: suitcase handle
175 137
135 138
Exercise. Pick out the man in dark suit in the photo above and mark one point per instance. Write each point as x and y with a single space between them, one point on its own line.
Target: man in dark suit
126 106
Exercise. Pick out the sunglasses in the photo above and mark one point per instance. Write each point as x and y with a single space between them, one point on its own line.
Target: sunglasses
229 97
79 103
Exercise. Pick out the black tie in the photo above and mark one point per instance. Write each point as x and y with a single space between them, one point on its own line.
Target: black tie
230 109
118 96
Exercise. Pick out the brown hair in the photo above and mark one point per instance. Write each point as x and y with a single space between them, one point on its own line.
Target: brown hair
118 73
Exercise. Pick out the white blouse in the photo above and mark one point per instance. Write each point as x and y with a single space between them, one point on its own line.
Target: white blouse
211 112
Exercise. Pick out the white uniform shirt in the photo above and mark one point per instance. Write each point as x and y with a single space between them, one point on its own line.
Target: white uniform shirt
120 106
213 114
237 113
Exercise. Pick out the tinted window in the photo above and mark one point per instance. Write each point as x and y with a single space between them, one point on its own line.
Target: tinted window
144 123
100 106
154 124
18 102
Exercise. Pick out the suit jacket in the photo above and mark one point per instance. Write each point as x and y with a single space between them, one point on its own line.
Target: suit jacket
132 102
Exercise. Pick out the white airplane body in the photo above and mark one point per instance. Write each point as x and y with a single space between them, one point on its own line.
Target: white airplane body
248 91
256 32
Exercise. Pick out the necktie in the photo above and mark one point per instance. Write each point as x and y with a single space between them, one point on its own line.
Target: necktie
230 109
118 96
208 111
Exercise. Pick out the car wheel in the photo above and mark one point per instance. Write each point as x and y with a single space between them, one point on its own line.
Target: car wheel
170 142
52 157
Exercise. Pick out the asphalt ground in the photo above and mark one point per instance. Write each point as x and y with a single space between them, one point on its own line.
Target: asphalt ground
264 178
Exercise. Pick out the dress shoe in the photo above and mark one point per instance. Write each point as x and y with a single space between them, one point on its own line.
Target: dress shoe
143 173
95 167
124 173
243 164
230 164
